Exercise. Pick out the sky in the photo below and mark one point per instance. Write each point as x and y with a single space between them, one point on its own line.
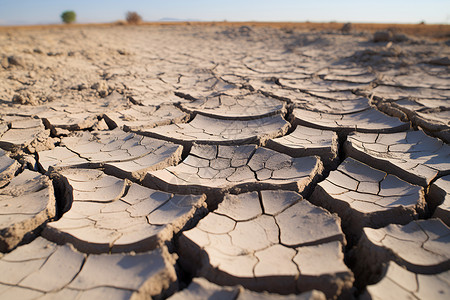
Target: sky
21 12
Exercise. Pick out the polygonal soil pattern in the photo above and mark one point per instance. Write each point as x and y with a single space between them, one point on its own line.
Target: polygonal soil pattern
271 240
258 110
120 153
217 169
63 117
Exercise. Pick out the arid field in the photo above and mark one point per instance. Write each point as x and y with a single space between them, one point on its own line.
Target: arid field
225 161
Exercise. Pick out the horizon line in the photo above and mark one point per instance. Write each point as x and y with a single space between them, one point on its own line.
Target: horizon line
174 20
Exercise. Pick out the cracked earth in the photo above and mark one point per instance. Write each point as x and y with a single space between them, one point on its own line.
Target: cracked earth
197 162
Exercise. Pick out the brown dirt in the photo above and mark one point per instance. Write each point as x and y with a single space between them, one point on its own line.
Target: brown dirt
434 31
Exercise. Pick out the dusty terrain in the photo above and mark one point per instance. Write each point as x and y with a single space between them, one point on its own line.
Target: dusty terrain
242 161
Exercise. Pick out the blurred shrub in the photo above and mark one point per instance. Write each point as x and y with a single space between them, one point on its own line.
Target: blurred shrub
133 17
68 16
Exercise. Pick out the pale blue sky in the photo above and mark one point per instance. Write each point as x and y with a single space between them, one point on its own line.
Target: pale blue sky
14 12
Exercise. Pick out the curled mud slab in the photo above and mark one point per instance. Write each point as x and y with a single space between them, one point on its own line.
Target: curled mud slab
366 197
61 120
25 133
424 103
412 155
439 195
333 103
318 85
304 141
8 168
27 202
248 106
399 283
207 130
299 159
44 269
365 121
203 289
107 215
420 246
141 118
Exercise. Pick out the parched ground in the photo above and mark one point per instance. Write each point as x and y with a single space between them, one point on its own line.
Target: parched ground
242 161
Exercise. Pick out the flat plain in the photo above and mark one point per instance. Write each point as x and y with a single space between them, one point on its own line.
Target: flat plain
225 161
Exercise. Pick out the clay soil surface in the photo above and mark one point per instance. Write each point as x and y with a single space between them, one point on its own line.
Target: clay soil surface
233 160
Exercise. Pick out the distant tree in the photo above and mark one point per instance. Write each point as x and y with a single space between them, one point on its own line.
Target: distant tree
68 16
133 17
